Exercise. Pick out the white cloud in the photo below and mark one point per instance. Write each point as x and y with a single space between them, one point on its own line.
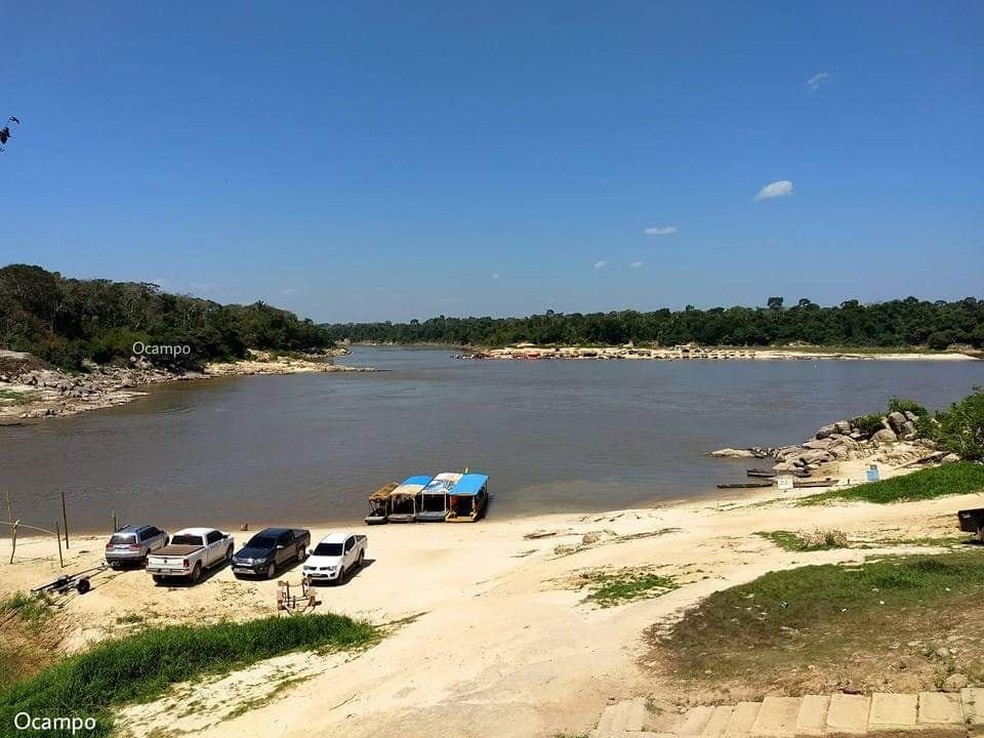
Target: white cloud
600 264
780 188
661 231
635 265
495 275
816 80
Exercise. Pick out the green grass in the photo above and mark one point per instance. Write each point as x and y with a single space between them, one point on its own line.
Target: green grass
141 667
31 611
925 484
611 588
818 540
778 628
9 395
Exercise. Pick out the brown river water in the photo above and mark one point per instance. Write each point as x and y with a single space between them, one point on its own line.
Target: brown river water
554 435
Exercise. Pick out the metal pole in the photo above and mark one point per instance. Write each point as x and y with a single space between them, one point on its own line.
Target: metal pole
64 518
61 561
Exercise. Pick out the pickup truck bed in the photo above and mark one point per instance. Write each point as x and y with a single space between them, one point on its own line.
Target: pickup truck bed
176 550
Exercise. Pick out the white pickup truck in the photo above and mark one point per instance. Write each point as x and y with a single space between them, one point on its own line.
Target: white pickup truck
190 552
335 557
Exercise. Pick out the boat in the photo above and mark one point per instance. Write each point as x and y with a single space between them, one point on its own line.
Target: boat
434 497
379 504
404 499
765 473
468 499
828 482
745 485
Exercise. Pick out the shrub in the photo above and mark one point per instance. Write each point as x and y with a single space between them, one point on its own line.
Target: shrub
868 424
903 404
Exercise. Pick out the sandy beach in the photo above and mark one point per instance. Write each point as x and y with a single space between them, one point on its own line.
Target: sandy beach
491 634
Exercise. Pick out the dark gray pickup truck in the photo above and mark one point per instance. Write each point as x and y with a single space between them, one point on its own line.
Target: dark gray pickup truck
270 549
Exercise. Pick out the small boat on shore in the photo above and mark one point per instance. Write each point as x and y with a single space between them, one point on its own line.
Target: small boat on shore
764 473
405 499
828 482
745 485
379 504
468 499
434 497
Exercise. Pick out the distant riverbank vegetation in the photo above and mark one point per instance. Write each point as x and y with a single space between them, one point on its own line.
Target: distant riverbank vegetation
894 324
69 322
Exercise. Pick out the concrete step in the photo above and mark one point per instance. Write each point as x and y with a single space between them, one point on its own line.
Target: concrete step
742 719
892 711
973 705
939 708
848 713
718 723
777 716
812 717
695 721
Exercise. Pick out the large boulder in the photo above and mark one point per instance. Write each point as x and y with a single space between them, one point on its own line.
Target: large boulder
825 431
885 435
843 427
895 421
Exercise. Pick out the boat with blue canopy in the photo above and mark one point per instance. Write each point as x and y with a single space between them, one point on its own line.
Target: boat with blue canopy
468 499
405 499
434 497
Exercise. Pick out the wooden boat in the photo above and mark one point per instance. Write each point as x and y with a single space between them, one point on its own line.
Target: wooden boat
768 473
379 504
405 499
814 482
468 499
434 497
745 485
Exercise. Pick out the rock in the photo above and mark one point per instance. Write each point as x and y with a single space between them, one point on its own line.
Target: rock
884 436
843 427
825 431
821 444
732 453
783 466
955 682
950 459
895 421
911 416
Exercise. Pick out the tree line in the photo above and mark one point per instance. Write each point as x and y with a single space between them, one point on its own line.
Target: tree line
893 324
71 322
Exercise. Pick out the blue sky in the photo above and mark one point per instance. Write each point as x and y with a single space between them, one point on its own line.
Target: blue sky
364 161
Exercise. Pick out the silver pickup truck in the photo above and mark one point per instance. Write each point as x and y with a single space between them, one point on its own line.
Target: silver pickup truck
190 553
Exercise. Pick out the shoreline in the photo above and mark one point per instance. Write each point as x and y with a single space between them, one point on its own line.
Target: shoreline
38 392
553 657
693 352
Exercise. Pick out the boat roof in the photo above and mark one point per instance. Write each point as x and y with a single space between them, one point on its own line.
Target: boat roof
443 482
411 485
383 492
470 484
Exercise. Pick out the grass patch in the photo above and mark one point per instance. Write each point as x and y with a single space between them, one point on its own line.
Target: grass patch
817 540
857 623
141 667
611 588
925 484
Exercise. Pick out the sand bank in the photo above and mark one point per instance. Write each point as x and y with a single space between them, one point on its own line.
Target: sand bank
496 638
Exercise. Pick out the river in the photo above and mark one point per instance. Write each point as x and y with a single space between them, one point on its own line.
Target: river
553 435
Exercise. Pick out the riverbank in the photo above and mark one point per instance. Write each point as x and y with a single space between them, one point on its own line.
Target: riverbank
31 390
498 634
694 352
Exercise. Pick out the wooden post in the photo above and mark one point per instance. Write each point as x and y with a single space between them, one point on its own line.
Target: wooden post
61 561
116 526
64 518
13 540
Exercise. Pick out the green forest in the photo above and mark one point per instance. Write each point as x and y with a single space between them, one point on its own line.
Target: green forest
892 324
70 322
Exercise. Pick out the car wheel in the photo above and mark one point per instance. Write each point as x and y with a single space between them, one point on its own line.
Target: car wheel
301 553
271 571
158 579
196 573
362 556
228 556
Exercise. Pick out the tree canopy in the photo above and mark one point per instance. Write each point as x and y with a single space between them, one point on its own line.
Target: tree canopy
893 324
69 321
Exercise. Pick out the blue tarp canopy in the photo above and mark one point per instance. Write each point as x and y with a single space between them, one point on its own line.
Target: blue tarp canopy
470 484
421 479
